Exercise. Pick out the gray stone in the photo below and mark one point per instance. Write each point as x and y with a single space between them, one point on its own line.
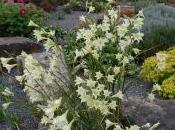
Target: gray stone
71 21
14 45
143 112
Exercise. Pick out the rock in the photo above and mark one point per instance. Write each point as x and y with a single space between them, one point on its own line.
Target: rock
71 21
127 10
14 45
151 112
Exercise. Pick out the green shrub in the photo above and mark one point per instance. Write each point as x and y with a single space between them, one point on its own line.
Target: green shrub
163 73
13 24
168 87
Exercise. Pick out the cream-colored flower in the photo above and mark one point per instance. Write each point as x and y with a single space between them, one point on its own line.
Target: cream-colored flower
118 56
83 18
118 95
98 75
91 83
110 78
116 70
113 105
156 87
91 9
79 81
107 93
151 97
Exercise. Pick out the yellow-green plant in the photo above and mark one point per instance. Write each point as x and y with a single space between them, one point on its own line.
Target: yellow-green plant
161 69
89 97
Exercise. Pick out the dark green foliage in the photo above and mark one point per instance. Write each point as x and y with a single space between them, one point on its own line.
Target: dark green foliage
13 24
160 38
164 36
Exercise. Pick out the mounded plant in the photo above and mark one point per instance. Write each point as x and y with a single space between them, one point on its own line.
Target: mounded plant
160 69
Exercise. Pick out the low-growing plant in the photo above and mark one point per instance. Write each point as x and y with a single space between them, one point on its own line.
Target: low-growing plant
160 69
88 96
14 23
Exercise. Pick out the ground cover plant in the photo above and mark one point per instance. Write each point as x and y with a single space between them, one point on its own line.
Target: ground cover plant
88 95
160 69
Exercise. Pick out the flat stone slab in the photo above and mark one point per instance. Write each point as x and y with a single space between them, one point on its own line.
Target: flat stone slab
14 45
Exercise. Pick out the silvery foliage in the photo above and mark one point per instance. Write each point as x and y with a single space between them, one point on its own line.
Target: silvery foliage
158 15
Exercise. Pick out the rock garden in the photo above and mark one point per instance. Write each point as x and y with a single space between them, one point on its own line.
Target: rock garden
87 65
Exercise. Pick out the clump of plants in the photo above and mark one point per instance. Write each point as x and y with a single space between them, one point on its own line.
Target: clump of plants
14 19
161 69
88 95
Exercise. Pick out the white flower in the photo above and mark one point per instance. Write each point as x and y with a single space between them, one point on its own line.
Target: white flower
125 60
110 1
81 91
156 87
101 87
113 13
61 121
116 70
109 123
7 92
95 54
110 78
118 56
6 105
83 18
107 93
136 51
95 93
98 75
118 127
91 9
119 95
79 81
78 54
91 83
151 97
134 127
113 105
45 120
161 57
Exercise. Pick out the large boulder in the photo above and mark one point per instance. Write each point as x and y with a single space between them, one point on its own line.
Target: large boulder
151 112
